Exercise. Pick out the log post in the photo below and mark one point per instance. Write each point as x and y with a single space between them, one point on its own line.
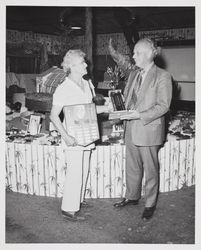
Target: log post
89 40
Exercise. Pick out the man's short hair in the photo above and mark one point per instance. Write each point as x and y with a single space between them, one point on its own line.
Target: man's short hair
151 44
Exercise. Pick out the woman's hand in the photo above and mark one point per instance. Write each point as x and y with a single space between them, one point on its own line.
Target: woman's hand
70 141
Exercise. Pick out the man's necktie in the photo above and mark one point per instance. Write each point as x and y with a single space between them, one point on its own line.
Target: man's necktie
132 96
139 81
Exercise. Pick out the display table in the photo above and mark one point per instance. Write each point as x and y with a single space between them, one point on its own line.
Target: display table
40 169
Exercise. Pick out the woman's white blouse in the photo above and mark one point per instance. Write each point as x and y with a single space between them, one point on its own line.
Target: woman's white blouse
69 93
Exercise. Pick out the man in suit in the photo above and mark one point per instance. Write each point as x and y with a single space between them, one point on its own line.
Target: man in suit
148 94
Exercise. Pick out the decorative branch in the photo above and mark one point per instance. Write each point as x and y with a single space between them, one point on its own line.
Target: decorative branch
123 61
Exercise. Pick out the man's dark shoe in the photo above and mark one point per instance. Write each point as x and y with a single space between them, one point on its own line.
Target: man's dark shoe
125 202
148 212
72 217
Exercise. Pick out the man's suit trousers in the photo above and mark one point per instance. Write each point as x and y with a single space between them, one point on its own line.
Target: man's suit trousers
141 160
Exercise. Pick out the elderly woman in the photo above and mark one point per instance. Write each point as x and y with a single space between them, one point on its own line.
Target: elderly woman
74 90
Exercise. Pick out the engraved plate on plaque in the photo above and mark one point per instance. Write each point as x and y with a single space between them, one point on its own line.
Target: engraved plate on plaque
81 123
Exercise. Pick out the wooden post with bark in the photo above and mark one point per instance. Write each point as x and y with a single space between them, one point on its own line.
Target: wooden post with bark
89 40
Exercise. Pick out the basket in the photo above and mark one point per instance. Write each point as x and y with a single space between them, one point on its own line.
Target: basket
39 101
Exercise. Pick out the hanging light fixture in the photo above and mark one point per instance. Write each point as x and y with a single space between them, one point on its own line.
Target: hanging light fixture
65 22
76 27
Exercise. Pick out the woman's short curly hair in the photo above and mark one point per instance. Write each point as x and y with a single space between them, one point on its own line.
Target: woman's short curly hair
69 57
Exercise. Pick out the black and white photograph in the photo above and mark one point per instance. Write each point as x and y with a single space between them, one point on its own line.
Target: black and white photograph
126 176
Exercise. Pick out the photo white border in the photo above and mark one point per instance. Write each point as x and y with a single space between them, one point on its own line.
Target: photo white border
2 130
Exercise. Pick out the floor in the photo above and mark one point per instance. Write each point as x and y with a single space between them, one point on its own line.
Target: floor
35 219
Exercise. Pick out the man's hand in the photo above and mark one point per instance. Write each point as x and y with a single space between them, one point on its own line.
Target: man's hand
131 115
103 109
